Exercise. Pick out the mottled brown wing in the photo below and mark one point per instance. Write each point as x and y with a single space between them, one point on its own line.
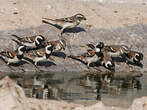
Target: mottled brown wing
8 54
112 48
91 53
91 46
131 54
40 53
54 43
12 54
29 55
31 39
70 19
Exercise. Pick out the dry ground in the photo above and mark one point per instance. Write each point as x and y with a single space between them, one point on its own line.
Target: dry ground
28 13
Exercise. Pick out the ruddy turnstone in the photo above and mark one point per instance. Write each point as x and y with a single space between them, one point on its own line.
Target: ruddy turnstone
31 42
13 57
58 45
97 48
91 56
134 56
39 55
68 22
116 50
107 61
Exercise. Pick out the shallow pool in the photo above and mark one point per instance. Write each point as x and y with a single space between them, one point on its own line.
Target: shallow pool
113 89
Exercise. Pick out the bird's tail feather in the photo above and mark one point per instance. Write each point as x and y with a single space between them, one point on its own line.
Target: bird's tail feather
76 57
19 38
49 21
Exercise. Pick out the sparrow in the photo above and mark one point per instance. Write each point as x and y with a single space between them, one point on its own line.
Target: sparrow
31 42
13 57
39 55
134 56
90 56
69 22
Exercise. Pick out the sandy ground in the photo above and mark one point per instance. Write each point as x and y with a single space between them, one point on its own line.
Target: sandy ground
16 14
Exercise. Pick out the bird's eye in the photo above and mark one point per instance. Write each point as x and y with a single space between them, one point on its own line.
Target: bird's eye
48 48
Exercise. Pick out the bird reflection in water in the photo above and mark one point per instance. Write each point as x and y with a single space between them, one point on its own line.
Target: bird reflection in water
89 86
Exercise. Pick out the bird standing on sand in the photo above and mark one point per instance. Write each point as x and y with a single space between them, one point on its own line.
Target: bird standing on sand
69 22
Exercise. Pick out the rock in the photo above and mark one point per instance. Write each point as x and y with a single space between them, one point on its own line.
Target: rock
139 104
12 96
97 106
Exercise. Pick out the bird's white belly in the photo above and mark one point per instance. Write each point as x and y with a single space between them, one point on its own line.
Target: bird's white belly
69 25
30 45
116 54
92 59
14 60
37 59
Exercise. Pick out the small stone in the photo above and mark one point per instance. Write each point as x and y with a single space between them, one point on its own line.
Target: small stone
15 13
93 9
49 6
115 11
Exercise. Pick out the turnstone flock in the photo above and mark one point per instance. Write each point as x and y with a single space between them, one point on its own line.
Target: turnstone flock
34 49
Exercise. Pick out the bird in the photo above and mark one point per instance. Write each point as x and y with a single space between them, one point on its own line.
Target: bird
91 55
69 22
32 42
58 45
134 56
13 57
39 55
97 48
107 61
116 50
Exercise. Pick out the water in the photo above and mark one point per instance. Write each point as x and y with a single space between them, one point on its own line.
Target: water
118 89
